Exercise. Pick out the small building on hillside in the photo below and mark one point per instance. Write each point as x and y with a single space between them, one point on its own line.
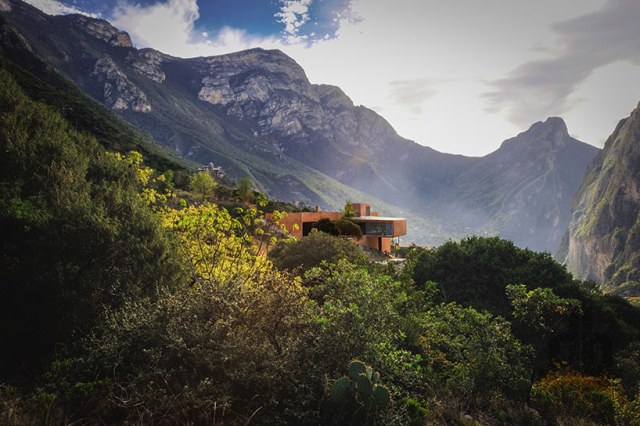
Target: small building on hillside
377 231
215 171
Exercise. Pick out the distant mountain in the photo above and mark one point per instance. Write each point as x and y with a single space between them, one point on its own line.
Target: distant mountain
256 114
603 240
524 189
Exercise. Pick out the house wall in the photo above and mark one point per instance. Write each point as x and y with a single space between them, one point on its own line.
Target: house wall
293 219
399 227
373 243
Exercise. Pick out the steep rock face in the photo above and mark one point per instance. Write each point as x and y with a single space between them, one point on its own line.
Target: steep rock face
603 240
119 92
523 191
148 62
100 29
249 77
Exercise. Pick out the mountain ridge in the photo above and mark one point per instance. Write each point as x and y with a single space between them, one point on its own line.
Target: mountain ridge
256 113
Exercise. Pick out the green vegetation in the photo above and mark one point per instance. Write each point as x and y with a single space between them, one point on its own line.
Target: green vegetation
78 234
203 185
312 251
244 190
343 227
348 211
354 398
127 299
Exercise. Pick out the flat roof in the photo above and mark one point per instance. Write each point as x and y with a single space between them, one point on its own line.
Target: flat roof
377 218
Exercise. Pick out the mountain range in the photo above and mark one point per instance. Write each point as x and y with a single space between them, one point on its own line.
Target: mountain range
256 114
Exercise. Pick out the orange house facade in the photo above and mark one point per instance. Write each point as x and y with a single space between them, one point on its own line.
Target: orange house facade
377 231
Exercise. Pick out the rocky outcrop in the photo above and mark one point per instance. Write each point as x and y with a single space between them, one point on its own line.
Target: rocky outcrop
148 62
100 29
119 92
245 81
5 6
603 240
272 91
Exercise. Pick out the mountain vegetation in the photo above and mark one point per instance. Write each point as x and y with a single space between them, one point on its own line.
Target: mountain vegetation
256 114
128 299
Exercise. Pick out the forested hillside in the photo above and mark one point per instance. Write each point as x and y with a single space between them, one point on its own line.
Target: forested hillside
128 299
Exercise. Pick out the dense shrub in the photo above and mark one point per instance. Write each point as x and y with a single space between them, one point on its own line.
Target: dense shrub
312 250
348 228
569 394
327 226
217 352
475 271
78 234
473 355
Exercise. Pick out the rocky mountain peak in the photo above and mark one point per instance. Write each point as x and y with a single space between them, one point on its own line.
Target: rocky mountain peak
148 62
258 58
553 129
333 97
552 133
100 29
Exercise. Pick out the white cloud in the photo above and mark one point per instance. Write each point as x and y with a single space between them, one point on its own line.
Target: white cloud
166 26
411 94
53 7
170 28
294 14
584 44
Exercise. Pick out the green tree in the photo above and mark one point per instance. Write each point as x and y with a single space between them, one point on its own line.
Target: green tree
349 229
312 250
78 232
541 314
348 211
342 227
475 271
327 226
203 185
471 354
244 190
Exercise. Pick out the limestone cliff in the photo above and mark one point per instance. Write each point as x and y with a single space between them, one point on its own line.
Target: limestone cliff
148 62
119 92
100 29
603 240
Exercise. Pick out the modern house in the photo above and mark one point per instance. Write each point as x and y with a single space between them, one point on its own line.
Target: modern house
377 231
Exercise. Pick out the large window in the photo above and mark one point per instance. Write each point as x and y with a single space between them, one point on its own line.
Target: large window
377 228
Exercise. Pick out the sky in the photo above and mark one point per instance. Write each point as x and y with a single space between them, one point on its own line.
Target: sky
459 76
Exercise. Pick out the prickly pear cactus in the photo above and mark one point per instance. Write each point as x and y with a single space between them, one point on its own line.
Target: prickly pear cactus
356 397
